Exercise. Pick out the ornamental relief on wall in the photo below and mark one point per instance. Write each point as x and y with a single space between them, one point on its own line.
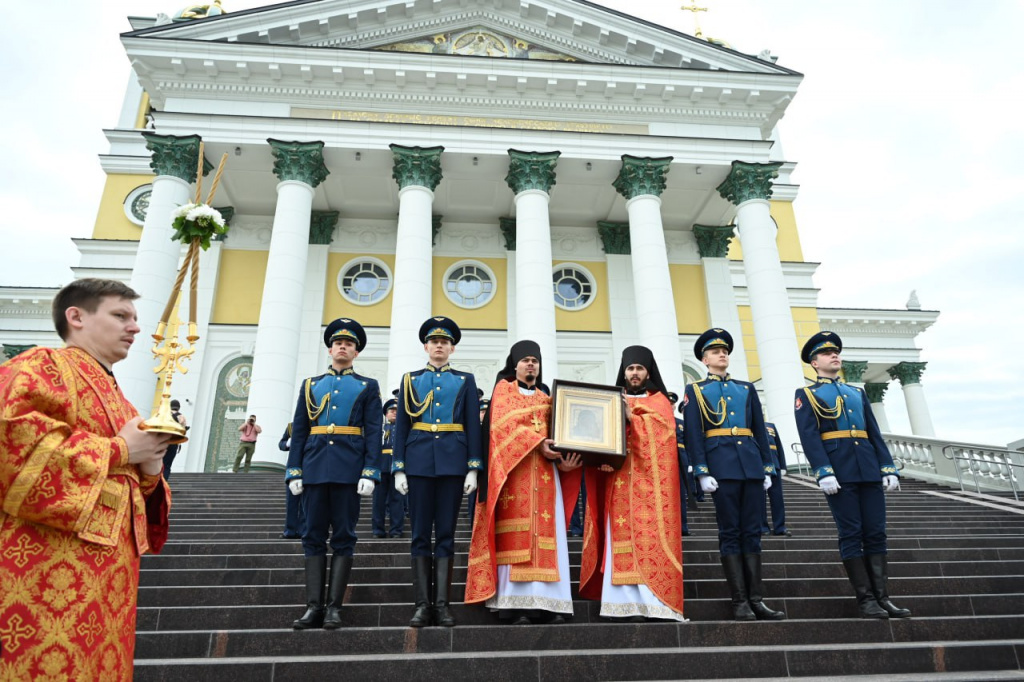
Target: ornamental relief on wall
478 41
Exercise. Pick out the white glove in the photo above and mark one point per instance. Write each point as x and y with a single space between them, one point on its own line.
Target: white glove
829 485
365 487
890 483
470 485
401 483
689 470
782 472
767 482
708 484
295 485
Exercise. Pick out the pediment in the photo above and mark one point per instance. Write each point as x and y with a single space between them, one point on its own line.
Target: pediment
554 30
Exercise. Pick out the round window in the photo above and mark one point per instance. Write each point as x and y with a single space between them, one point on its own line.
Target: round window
573 287
365 281
469 284
136 204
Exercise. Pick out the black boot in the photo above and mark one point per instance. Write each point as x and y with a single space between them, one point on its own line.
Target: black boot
341 567
755 589
316 567
732 564
858 574
421 591
878 572
443 584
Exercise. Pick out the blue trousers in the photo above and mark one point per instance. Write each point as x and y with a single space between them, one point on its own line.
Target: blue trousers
738 507
778 506
330 508
859 512
387 499
434 505
579 511
682 498
294 516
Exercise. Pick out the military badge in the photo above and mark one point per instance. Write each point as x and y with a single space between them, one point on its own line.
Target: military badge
799 403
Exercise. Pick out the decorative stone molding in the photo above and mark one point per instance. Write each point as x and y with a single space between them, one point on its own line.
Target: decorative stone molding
419 166
908 373
300 161
321 226
174 155
748 181
642 175
854 370
435 228
531 170
876 391
713 240
614 237
508 231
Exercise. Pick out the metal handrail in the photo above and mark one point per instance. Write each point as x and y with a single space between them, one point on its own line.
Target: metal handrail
949 453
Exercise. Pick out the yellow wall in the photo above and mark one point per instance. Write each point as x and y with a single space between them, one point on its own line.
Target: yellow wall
596 317
336 305
691 298
240 287
492 315
111 222
788 239
805 322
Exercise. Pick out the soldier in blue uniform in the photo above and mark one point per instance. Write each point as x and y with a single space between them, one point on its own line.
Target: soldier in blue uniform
334 459
728 447
854 469
436 459
775 492
293 516
385 497
684 464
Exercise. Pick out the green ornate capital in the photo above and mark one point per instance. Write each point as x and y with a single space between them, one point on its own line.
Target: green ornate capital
435 227
175 155
614 236
508 230
876 391
748 181
416 166
10 349
713 240
300 161
531 170
642 175
227 213
321 226
854 370
908 372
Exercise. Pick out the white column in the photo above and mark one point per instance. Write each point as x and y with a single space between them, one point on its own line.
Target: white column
535 306
411 299
156 266
622 310
312 355
917 410
272 392
876 396
508 232
722 310
657 325
878 409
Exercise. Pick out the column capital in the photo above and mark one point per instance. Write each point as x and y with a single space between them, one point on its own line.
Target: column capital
876 391
435 227
853 370
508 230
614 237
713 240
227 213
531 170
11 349
321 226
642 175
300 161
748 181
175 155
908 372
420 166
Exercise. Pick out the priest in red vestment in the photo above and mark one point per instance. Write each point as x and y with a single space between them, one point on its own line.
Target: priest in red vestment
632 537
519 558
82 496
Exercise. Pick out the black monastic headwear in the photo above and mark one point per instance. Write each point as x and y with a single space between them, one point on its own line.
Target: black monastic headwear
641 355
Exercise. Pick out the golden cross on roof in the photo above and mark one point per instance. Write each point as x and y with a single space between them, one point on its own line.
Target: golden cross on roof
692 7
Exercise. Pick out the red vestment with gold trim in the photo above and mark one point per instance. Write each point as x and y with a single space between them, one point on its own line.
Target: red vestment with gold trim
516 525
642 502
76 517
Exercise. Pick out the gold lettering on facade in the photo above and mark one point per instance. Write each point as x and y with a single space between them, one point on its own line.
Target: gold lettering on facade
468 121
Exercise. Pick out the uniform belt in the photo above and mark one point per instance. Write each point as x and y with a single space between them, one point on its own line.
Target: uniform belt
774 447
832 435
386 451
734 431
332 429
434 428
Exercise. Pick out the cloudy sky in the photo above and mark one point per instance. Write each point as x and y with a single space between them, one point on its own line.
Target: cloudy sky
907 131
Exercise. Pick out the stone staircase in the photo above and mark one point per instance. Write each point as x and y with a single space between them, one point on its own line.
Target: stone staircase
218 603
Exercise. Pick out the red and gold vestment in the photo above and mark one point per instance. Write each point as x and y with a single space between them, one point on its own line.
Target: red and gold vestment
75 518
